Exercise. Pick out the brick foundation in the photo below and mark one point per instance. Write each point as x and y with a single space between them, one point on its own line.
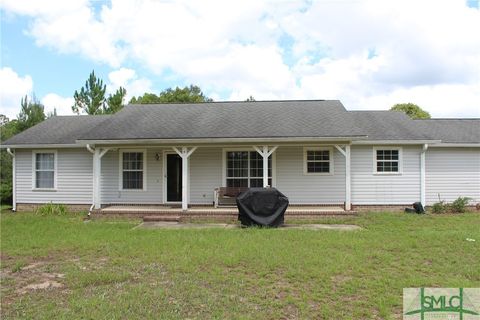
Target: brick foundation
30 207
398 208
380 208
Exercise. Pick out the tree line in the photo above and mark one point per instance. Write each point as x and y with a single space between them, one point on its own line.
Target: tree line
92 99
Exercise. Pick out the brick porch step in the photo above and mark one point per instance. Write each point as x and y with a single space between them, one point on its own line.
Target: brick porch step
162 218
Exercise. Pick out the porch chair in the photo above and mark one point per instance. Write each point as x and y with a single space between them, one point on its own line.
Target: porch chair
226 196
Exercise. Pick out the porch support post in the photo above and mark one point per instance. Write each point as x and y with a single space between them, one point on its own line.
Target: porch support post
97 172
265 153
348 181
422 175
185 154
97 163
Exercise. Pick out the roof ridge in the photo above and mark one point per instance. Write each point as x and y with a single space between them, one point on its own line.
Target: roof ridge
235 101
80 115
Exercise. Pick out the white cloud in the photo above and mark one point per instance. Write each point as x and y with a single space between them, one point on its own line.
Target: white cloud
366 53
128 79
63 105
12 89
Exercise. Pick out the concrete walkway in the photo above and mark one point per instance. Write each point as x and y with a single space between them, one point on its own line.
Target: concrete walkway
177 225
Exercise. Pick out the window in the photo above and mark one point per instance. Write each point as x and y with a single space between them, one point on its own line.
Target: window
45 166
318 161
387 160
133 168
245 169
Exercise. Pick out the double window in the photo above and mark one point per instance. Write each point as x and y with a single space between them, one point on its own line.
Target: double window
387 160
132 164
318 161
44 167
245 169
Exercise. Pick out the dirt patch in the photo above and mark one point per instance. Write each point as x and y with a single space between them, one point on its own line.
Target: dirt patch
339 280
33 276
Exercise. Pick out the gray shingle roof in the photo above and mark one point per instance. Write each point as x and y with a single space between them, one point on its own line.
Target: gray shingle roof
452 130
57 130
261 119
229 120
388 125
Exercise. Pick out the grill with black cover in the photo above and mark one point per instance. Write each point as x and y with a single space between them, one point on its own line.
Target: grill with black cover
262 207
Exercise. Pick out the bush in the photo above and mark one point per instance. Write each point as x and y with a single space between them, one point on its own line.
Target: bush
459 204
440 207
51 209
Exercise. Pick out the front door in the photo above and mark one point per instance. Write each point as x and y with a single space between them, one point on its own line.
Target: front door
174 178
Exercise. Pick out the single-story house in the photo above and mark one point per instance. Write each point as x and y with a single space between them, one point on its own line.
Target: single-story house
315 152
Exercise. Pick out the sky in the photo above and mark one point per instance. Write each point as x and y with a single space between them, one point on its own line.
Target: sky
368 54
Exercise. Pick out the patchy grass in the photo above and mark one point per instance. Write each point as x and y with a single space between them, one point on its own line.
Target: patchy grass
61 267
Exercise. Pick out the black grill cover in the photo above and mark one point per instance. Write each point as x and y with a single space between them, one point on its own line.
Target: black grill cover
262 207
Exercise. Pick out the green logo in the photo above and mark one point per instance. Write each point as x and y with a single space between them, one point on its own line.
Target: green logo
441 303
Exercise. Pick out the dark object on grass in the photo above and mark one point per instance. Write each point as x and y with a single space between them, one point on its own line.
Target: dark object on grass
262 207
417 208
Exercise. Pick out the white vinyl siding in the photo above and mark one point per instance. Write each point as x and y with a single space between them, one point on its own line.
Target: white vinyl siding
452 173
205 174
303 188
73 177
371 188
111 179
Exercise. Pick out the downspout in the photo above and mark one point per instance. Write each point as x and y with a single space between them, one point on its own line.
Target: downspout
422 175
14 183
92 150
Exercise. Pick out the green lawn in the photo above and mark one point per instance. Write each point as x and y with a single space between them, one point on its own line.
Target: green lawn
106 270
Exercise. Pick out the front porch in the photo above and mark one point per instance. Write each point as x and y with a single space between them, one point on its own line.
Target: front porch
199 212
315 177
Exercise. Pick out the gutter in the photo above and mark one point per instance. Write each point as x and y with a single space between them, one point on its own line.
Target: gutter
14 183
219 140
33 146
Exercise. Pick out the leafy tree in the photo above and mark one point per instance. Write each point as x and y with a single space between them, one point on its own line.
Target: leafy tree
115 101
31 113
189 94
7 129
91 98
412 110
250 99
145 99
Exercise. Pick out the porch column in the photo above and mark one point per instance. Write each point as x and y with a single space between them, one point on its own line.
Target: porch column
348 186
265 153
185 154
97 172
348 180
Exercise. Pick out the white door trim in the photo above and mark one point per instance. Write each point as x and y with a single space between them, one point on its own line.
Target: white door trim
165 201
